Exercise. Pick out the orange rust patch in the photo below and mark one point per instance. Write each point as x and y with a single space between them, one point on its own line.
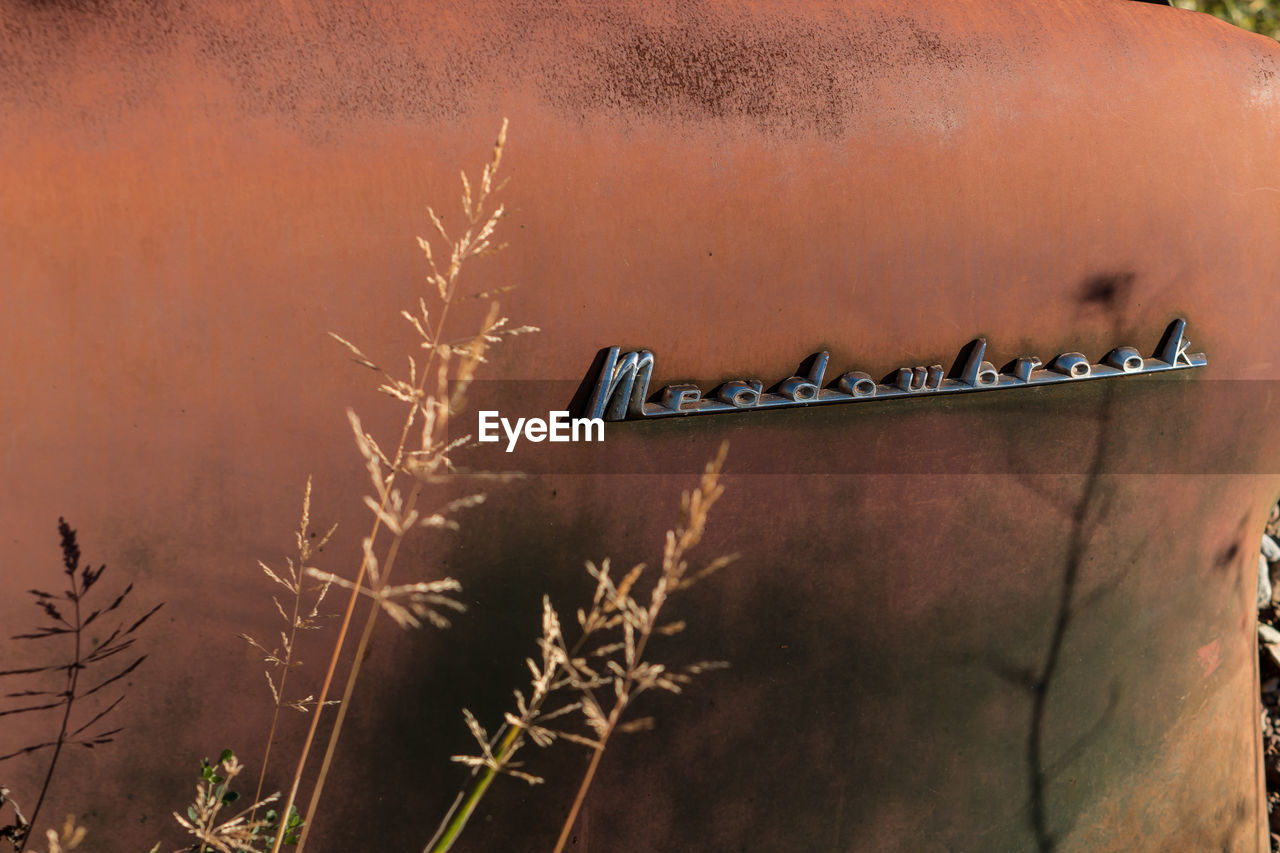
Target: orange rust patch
1210 655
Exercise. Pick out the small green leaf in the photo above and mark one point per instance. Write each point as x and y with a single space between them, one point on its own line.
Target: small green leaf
293 827
226 756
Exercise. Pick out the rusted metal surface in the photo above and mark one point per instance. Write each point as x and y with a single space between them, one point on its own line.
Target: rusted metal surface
977 625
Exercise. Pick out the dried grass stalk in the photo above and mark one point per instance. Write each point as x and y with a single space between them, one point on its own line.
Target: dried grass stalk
303 614
608 659
204 820
431 392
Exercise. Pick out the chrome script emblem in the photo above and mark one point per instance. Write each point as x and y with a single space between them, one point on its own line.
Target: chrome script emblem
621 390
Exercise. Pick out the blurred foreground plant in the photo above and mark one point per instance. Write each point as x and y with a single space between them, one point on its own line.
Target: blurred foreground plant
68 839
1256 16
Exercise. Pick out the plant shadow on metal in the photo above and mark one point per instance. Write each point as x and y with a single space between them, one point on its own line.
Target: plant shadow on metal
88 658
1047 810
1108 293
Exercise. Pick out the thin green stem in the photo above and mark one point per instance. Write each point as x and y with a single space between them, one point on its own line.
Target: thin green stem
456 820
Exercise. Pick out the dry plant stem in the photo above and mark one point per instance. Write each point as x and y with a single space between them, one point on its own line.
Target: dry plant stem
328 678
271 734
679 541
337 651
363 644
73 675
461 810
461 250
324 692
297 575
367 634
596 755
614 715
464 805
362 648
582 789
266 753
275 715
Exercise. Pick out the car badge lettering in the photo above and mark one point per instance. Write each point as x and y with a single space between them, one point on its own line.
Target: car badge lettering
621 390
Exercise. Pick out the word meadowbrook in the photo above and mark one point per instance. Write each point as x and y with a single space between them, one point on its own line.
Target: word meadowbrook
558 427
621 389
622 386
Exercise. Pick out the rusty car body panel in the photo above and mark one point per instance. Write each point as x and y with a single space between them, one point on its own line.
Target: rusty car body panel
986 622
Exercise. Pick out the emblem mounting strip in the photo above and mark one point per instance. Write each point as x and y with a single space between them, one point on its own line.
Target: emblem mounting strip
622 388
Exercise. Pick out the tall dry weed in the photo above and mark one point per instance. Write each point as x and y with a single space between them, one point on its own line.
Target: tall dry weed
302 614
431 393
593 684
581 693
